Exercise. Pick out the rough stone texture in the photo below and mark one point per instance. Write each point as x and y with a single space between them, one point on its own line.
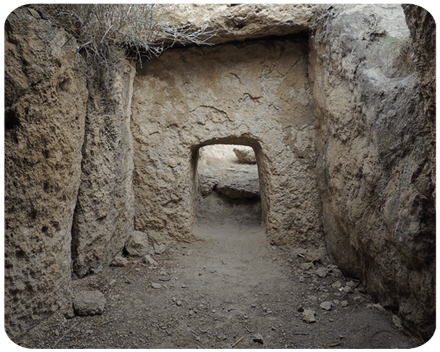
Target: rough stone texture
104 213
255 94
243 21
423 39
119 261
245 155
237 188
45 107
309 316
424 22
373 139
219 169
137 244
374 166
88 303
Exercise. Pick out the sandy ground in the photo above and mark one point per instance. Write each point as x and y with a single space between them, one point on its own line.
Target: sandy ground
230 289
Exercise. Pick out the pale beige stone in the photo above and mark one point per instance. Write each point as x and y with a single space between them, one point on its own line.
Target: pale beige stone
243 21
256 95
89 303
137 244
343 134
309 316
245 155
104 214
45 110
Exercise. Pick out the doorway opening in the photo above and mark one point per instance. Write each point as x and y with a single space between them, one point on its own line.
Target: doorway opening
227 185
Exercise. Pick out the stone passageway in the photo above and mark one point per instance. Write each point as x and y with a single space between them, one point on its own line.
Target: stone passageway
118 234
230 289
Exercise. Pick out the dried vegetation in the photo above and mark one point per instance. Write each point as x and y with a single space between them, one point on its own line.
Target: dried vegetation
106 33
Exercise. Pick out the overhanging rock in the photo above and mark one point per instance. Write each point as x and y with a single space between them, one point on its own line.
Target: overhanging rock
245 21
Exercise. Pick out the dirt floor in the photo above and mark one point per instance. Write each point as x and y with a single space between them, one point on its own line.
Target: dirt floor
231 289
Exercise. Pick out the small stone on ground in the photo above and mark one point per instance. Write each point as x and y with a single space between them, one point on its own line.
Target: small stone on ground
88 303
309 316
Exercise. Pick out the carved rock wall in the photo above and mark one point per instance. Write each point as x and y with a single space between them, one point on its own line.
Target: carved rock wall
344 135
255 94
423 19
423 42
374 166
46 96
104 212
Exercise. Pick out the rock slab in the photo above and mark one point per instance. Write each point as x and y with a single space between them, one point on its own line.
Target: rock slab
243 21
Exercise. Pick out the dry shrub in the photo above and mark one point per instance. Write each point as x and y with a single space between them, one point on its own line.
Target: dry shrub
104 31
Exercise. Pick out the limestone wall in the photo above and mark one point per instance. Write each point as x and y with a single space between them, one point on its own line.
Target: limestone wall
424 22
423 43
68 168
237 22
343 131
374 166
46 97
104 212
255 93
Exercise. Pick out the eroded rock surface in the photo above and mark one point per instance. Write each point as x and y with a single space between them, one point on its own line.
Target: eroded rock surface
342 127
423 43
374 167
104 212
137 244
424 22
245 155
243 21
45 109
